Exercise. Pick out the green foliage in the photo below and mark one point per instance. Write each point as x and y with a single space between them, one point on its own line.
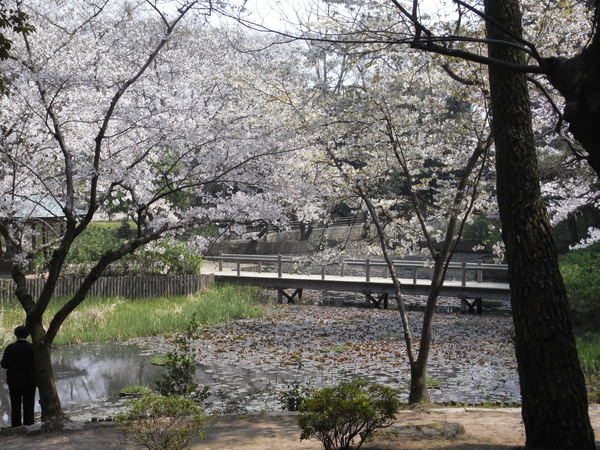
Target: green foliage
159 360
588 349
484 229
579 269
181 365
349 411
17 21
165 257
92 244
593 387
162 423
291 398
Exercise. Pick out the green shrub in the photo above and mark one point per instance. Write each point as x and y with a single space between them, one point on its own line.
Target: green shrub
580 272
166 256
337 416
178 379
162 423
484 229
295 394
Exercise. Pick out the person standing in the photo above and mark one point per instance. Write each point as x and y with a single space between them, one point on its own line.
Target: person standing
20 377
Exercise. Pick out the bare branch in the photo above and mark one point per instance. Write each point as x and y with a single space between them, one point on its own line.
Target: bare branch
456 77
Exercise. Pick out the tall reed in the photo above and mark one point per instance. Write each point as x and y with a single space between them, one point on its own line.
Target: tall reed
104 319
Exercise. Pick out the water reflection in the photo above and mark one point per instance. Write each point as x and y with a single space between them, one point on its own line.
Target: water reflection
85 373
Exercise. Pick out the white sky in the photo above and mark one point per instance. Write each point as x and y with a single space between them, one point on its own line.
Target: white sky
274 14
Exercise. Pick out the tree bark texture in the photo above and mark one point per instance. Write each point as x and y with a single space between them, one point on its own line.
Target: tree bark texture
554 398
51 407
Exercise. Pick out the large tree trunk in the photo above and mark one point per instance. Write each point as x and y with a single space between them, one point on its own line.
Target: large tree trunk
555 409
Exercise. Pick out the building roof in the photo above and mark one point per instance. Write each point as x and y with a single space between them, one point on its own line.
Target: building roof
40 207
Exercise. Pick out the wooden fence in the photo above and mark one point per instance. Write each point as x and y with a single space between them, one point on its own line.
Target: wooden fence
127 286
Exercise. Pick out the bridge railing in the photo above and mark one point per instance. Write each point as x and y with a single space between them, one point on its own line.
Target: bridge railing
278 261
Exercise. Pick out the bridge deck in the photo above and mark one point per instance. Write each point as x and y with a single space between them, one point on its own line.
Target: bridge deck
374 285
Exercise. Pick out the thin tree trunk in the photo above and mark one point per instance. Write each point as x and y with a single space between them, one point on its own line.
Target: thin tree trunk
396 282
52 412
555 410
418 371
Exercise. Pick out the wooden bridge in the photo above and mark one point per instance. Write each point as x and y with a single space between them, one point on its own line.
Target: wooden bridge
466 281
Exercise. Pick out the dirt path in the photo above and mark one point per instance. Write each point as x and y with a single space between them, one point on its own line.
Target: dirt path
447 428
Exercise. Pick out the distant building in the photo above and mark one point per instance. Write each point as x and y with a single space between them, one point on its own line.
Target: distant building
44 216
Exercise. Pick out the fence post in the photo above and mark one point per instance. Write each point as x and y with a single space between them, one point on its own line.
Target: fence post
464 274
238 268
479 272
279 268
323 273
368 268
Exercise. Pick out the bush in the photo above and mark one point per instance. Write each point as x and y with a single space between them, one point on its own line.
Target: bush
582 281
352 410
294 396
164 257
483 229
162 423
178 379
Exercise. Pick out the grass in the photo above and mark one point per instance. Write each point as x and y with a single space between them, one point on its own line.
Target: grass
432 382
588 347
105 319
159 360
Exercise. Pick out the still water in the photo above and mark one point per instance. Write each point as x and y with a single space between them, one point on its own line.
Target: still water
87 373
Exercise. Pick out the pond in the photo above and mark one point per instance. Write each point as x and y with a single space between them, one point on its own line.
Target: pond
248 363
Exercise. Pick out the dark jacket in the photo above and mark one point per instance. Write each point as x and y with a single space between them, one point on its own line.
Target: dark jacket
18 362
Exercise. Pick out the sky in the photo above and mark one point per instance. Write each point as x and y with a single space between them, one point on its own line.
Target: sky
279 14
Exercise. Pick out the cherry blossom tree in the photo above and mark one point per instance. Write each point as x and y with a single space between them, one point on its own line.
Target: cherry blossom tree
411 153
11 20
128 106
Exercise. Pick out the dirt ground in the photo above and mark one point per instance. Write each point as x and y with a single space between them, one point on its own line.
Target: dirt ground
444 428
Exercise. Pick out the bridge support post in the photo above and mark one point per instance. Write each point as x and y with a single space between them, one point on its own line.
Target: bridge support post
470 307
377 302
290 298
